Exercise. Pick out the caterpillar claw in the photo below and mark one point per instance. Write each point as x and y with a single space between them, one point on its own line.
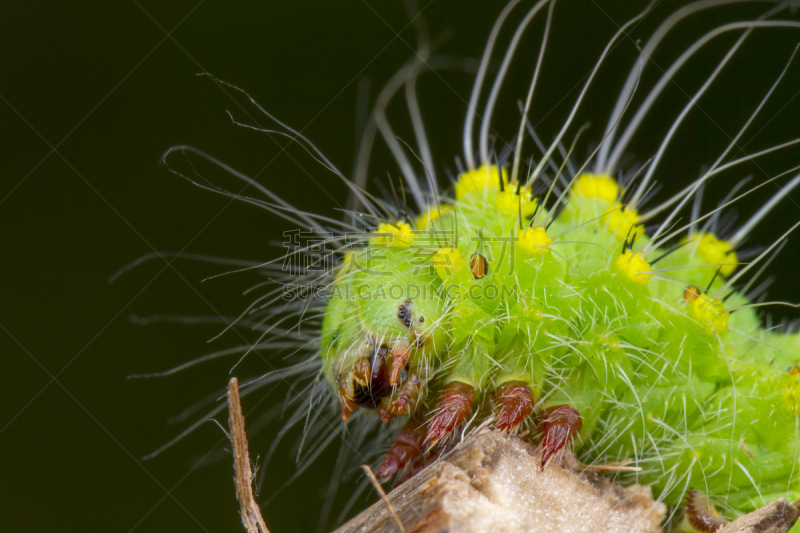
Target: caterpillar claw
406 447
699 513
400 355
406 401
559 425
513 404
453 409
385 414
348 406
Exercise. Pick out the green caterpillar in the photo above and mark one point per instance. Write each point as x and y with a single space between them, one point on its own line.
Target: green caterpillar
533 296
631 364
526 308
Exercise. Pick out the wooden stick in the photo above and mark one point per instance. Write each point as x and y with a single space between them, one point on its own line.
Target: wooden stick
251 513
382 493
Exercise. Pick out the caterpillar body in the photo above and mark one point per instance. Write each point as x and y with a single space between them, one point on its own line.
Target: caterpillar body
531 295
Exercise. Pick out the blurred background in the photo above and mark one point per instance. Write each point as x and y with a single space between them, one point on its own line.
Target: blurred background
92 93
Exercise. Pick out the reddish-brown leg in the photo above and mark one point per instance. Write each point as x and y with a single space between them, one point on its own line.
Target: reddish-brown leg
404 402
513 403
454 408
559 425
423 461
406 447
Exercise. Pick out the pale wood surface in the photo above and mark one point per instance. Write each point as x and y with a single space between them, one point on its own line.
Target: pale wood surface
490 482
493 483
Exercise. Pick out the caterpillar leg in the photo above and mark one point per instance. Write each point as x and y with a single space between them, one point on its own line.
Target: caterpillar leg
559 425
513 402
404 402
400 356
453 409
422 462
406 447
348 405
699 514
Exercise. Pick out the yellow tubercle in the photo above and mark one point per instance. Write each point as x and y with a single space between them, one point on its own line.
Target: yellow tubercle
397 235
535 240
715 251
600 186
710 311
447 262
479 180
432 215
634 266
624 221
508 201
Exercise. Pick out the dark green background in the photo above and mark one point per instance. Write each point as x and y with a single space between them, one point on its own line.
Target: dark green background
94 92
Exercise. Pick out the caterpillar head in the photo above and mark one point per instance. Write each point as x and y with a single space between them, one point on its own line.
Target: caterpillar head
377 346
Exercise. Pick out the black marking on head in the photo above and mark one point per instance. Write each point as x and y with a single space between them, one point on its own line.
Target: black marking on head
404 314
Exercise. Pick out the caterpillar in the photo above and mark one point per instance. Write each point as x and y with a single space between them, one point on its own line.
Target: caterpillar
542 291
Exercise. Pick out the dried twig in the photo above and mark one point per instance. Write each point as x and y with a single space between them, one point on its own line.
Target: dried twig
776 517
385 498
251 513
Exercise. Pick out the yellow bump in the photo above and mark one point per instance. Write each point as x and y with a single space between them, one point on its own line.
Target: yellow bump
432 215
393 235
478 180
622 221
600 186
508 201
447 262
634 266
715 251
535 240
711 311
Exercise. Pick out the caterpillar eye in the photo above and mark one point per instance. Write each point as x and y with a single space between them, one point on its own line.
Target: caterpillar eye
371 377
479 266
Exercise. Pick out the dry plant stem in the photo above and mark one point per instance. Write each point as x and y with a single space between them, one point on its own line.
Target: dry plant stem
251 513
380 490
775 517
